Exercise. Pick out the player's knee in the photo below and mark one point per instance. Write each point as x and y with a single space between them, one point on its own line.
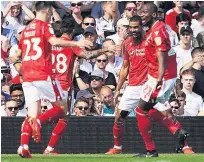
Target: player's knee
121 118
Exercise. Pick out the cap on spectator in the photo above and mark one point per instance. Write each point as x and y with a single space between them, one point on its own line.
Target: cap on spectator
160 10
186 28
123 22
200 12
98 73
90 29
84 93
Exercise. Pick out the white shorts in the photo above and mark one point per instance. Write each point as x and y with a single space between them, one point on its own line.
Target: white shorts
162 95
37 90
130 98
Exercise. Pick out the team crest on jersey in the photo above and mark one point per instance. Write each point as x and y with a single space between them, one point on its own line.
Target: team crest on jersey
158 41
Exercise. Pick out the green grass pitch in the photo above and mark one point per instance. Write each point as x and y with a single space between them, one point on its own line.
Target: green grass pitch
103 158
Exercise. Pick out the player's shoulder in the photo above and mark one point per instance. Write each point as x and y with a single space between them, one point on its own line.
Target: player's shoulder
186 11
170 12
128 40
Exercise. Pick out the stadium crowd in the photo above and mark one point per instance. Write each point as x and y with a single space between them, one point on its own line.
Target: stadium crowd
95 80
143 59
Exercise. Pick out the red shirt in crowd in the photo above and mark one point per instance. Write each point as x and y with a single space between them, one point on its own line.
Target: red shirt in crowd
157 39
36 51
138 64
170 18
63 62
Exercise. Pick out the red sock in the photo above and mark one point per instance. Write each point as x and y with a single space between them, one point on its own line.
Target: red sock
145 129
118 132
57 133
52 114
26 131
164 121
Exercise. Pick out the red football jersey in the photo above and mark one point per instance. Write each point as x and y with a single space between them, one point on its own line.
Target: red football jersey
63 62
157 39
138 64
36 51
170 18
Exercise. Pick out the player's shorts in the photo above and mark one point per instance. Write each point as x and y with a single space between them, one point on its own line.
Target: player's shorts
130 98
36 90
161 95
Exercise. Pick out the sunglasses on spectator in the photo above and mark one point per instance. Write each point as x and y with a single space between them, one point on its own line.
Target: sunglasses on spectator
91 24
76 4
131 9
101 61
96 78
83 108
16 96
11 108
44 107
175 107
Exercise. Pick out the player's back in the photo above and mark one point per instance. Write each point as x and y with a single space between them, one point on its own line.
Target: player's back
36 51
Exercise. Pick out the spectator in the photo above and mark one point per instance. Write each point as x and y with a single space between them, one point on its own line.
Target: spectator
97 109
97 10
15 15
80 80
139 5
107 98
174 104
130 10
81 107
183 50
121 29
88 21
170 18
197 65
194 102
199 40
86 95
114 62
101 63
182 20
16 92
105 24
198 23
181 97
3 101
97 79
11 108
76 13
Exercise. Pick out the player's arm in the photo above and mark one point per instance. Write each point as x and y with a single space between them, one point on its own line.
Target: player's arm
18 63
93 54
64 43
161 56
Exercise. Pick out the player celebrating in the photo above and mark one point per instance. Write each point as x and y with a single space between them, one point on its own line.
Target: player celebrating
37 70
161 79
63 62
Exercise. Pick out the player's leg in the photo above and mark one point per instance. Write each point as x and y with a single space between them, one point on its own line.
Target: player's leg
60 128
33 111
127 104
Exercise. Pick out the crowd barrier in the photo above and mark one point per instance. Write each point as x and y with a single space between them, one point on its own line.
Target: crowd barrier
94 135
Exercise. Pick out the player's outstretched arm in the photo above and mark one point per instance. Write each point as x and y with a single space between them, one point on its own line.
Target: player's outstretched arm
64 43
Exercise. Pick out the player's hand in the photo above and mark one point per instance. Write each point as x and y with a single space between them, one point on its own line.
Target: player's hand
12 59
159 85
84 43
116 95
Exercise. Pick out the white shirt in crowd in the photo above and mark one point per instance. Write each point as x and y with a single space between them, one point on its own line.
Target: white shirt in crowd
104 25
22 112
172 36
194 104
113 68
13 53
86 66
182 57
196 27
114 37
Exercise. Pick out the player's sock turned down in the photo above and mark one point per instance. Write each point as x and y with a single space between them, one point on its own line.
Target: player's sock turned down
118 132
52 114
26 132
145 129
57 133
164 121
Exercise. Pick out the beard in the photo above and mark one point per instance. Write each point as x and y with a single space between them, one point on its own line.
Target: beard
137 37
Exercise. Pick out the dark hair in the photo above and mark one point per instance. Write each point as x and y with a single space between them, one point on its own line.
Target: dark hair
89 16
173 98
183 17
57 28
81 99
15 87
181 94
130 2
40 5
68 25
197 50
136 18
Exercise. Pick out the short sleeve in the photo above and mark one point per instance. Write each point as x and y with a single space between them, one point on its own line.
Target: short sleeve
124 51
161 39
77 51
